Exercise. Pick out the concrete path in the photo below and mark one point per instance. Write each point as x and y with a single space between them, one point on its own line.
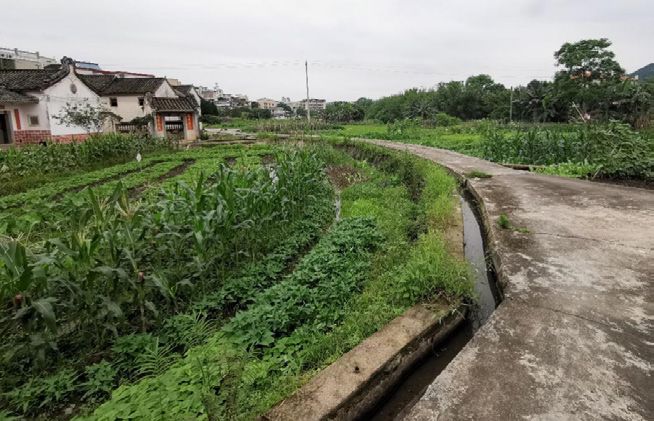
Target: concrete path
573 338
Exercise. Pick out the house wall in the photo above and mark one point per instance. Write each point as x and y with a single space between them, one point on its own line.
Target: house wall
165 91
57 96
128 107
51 103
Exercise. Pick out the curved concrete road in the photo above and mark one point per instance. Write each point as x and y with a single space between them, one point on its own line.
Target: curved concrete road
573 338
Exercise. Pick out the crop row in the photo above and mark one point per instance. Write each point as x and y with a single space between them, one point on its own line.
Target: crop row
74 182
308 300
124 267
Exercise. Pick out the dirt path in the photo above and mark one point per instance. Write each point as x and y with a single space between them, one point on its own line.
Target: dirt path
574 336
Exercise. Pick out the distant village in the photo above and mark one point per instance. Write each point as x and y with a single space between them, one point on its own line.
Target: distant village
35 91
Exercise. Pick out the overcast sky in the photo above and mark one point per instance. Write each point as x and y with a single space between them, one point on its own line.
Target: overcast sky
354 48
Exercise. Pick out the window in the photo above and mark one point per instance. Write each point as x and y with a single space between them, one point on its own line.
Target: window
141 102
33 120
113 102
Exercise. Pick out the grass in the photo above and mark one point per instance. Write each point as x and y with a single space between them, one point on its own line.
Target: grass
465 140
477 174
503 221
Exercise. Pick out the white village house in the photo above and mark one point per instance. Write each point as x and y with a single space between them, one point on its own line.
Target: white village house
30 101
175 109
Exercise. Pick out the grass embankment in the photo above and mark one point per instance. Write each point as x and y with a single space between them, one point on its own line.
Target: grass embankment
386 253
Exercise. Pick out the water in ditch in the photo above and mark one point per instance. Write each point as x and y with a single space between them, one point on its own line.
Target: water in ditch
413 386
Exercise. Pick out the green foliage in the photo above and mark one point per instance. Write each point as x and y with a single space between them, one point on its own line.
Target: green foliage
571 169
591 85
503 221
55 158
208 108
186 330
310 299
104 278
477 174
90 117
294 126
612 150
100 381
343 112
314 292
43 392
340 292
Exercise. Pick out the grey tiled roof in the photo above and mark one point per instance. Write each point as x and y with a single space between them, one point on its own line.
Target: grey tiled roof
7 96
185 91
111 85
97 82
173 104
31 80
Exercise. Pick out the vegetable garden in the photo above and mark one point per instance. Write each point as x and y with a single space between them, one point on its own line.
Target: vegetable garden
211 282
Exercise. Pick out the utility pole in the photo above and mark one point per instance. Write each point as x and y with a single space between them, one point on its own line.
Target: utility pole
306 73
511 106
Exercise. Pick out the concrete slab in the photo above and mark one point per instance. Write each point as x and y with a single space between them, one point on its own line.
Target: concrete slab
573 338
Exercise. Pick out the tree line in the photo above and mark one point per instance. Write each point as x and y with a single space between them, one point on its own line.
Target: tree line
589 85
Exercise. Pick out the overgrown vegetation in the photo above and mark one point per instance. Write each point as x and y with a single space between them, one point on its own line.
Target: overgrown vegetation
208 293
613 150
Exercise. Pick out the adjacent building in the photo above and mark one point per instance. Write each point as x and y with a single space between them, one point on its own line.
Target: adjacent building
31 99
172 111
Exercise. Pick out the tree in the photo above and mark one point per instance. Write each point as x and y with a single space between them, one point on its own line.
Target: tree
90 117
343 112
589 70
208 107
588 59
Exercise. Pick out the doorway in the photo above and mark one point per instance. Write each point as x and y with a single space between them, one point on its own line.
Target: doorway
4 129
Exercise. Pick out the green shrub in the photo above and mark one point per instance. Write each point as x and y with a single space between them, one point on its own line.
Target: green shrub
43 392
446 120
100 381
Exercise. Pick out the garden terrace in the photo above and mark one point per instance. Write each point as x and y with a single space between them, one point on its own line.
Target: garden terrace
219 290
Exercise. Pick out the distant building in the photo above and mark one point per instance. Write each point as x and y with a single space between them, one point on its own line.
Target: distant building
280 113
267 103
85 65
84 68
13 58
314 104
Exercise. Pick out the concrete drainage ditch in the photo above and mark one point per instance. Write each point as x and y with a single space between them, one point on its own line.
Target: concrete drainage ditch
385 375
402 397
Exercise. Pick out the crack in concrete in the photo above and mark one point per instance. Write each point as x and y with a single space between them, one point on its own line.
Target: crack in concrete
525 303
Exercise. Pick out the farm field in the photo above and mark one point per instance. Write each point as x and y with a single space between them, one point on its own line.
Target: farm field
613 151
212 282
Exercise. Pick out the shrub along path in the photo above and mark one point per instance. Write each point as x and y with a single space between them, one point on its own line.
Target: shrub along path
572 338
